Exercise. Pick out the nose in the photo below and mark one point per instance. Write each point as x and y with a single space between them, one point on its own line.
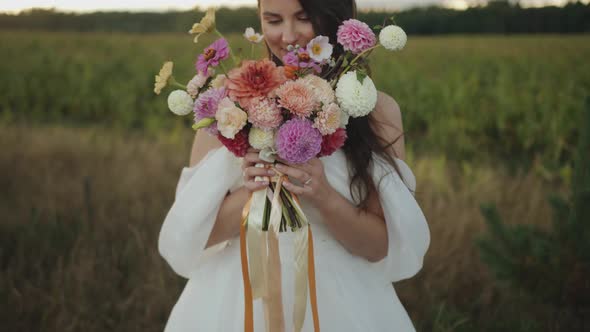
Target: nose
290 35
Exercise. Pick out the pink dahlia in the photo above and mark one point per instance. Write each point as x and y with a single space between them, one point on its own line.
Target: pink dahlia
297 141
253 79
297 97
239 144
355 36
332 142
328 120
206 106
212 55
264 113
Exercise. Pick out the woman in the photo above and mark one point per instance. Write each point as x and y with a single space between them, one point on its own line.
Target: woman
368 229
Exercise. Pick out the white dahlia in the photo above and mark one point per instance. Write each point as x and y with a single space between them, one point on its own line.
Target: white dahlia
261 139
393 38
355 98
180 102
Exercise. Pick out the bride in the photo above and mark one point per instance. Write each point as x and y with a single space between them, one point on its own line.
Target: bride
368 229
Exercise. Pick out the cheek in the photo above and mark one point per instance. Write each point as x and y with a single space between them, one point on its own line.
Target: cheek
272 37
307 33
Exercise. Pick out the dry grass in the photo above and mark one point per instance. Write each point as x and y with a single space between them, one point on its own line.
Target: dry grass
82 209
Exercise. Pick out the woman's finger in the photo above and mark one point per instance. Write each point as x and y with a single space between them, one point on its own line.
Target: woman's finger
297 190
293 172
257 171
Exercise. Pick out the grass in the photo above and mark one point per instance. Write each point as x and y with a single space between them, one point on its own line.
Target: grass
82 208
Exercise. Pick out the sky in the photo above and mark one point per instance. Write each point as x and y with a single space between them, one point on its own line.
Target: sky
14 6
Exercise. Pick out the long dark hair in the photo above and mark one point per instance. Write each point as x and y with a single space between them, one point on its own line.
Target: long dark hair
326 16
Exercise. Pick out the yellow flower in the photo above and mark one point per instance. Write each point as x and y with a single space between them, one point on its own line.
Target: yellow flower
207 24
163 77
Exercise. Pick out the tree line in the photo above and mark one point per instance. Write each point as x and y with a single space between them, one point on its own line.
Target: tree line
498 16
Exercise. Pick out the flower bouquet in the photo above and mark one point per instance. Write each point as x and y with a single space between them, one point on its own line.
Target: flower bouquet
291 112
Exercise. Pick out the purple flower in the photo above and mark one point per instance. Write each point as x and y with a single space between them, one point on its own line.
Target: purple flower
206 106
297 141
211 56
300 58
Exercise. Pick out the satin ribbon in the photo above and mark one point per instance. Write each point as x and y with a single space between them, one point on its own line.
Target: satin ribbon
261 265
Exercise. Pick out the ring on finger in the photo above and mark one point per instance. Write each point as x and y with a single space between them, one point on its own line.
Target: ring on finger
307 182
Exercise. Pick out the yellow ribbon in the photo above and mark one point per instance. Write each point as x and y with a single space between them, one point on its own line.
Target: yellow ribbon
265 265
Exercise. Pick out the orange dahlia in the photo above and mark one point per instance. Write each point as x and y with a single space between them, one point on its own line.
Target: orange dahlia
253 79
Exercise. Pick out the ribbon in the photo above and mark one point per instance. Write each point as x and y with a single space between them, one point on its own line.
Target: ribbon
261 273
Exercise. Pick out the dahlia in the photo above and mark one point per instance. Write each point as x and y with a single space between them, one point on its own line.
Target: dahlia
355 36
328 119
332 142
264 113
297 141
356 98
297 97
253 79
238 145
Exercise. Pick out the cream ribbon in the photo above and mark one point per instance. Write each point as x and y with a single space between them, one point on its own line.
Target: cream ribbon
262 276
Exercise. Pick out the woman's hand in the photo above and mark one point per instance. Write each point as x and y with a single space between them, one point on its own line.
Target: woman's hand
250 171
314 184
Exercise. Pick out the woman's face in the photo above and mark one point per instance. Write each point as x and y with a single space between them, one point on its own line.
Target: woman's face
284 22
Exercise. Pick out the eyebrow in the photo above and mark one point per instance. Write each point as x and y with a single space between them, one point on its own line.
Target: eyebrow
275 14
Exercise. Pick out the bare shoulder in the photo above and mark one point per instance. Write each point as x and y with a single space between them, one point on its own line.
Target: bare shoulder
387 110
387 123
202 144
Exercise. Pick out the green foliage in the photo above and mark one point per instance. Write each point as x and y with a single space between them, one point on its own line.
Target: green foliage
552 266
510 100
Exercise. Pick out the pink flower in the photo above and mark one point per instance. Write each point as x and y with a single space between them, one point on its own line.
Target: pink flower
230 118
206 106
212 55
264 113
253 79
297 97
355 36
297 141
328 120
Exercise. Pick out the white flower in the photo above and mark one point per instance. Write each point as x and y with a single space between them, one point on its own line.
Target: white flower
179 102
267 155
321 88
355 98
230 118
261 139
393 38
344 119
320 48
195 84
253 36
218 81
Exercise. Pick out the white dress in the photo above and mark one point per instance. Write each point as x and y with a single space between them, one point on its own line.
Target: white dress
353 294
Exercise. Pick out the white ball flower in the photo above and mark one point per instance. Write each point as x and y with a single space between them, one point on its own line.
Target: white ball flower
393 38
355 98
180 102
261 139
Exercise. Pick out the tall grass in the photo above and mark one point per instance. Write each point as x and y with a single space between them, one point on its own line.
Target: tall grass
82 209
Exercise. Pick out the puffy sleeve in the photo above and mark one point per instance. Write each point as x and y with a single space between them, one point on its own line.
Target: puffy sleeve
407 230
199 194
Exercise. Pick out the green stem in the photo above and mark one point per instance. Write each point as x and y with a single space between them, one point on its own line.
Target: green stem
173 82
356 58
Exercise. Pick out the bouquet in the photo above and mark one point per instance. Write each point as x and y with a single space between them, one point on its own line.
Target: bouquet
291 112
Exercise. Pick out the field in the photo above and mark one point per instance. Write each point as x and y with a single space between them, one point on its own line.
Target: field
90 158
